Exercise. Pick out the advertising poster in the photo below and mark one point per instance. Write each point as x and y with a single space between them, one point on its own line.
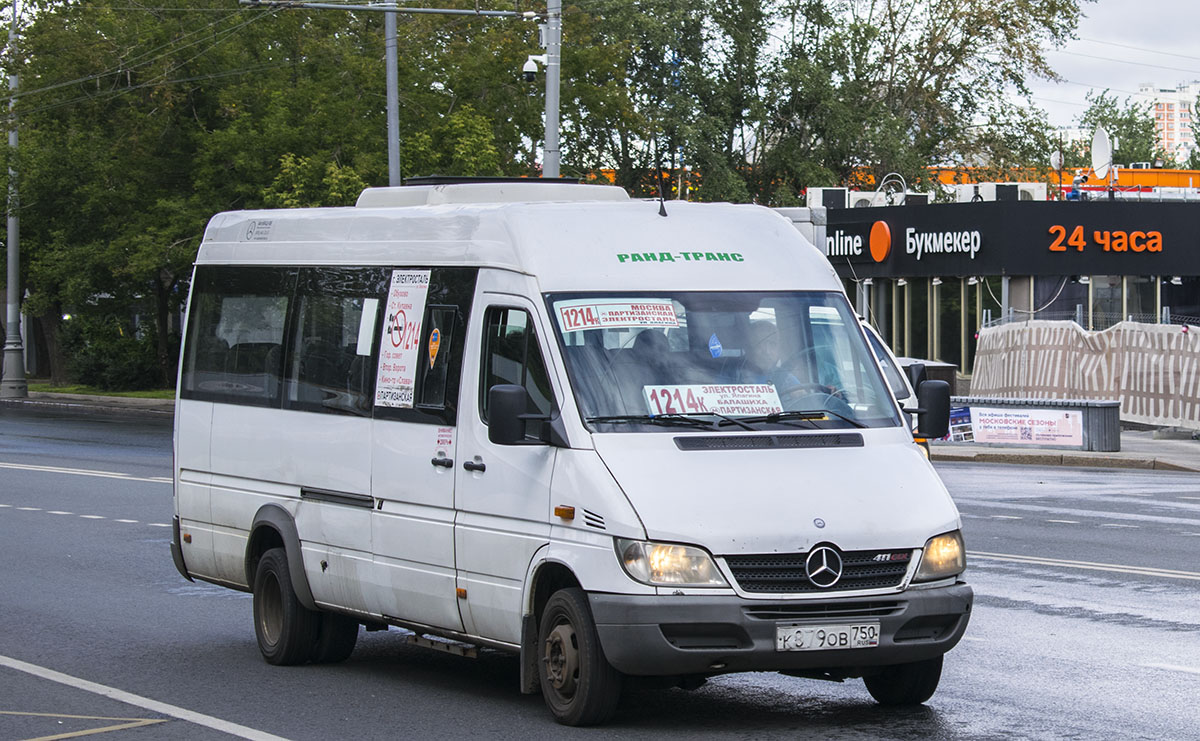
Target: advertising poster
1027 426
960 425
396 378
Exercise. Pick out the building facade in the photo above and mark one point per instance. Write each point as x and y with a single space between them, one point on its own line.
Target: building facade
1174 111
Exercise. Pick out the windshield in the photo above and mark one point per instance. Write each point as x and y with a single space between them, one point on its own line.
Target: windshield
794 359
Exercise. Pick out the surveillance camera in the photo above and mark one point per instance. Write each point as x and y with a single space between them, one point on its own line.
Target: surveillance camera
529 70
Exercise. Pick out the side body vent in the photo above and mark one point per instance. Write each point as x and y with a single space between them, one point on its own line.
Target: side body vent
591 519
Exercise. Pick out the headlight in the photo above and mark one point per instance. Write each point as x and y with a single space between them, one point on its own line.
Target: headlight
943 556
668 564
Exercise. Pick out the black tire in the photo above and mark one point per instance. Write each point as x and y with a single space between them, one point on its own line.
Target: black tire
286 630
579 685
336 636
905 684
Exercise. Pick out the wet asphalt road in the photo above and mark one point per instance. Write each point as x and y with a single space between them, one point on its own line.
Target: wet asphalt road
1088 607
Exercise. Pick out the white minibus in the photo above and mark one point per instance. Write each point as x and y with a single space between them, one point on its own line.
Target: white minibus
625 441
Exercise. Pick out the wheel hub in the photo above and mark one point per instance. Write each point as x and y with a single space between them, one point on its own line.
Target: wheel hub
562 659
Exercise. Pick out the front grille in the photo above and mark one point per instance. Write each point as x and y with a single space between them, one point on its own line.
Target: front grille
783 573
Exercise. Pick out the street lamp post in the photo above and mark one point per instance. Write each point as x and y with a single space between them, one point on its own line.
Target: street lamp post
13 385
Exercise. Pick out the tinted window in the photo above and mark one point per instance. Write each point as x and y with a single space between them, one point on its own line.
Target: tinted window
333 337
447 307
236 331
442 322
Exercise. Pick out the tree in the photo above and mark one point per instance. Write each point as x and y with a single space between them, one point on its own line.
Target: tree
139 123
1130 123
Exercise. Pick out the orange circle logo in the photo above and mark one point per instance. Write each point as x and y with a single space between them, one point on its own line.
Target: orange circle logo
881 241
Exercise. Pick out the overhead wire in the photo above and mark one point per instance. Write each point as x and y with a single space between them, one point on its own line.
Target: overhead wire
136 61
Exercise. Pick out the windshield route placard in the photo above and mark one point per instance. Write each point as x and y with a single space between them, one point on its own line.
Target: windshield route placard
574 316
732 399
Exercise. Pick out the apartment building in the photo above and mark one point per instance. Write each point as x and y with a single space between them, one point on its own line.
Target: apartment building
1174 111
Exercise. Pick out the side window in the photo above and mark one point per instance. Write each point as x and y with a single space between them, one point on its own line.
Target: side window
439 355
333 335
236 329
439 342
511 355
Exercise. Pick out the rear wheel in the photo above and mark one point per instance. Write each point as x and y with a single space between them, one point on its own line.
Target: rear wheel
286 630
336 636
905 684
579 685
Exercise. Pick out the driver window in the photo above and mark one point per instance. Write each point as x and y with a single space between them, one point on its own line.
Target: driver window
511 355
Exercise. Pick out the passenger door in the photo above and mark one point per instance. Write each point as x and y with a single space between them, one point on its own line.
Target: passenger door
502 492
414 444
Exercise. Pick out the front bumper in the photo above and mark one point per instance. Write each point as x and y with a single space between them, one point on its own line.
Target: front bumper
689 634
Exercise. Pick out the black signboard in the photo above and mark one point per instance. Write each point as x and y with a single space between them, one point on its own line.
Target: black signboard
1016 238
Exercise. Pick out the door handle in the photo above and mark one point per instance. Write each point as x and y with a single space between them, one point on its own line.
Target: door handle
474 466
443 462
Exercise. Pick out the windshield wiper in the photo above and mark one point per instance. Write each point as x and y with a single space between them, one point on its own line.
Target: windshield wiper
675 420
808 416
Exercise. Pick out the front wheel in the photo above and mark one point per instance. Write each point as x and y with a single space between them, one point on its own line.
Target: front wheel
905 684
285 629
579 685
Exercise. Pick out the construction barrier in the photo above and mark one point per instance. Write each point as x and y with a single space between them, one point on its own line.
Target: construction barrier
1153 370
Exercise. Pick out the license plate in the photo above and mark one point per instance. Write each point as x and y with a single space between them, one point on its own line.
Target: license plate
826 637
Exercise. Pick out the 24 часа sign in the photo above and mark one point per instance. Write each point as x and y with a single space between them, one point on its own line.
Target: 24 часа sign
1015 238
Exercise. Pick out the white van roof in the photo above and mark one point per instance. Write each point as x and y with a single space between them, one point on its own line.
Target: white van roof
570 237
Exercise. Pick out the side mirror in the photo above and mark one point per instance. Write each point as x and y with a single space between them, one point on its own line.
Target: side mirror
506 404
916 374
933 416
507 419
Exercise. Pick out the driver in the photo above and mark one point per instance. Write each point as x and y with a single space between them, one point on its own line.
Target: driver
761 364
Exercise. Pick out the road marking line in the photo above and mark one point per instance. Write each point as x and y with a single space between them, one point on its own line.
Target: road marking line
126 723
154 706
86 472
1006 517
1039 561
159 524
1065 522
1195 498
30 509
1117 524
58 512
93 517
974 639
5 505
127 522
1174 668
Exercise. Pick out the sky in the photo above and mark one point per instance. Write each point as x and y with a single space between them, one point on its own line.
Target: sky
1120 44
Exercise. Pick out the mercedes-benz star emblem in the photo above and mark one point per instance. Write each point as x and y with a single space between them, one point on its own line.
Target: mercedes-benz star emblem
824 566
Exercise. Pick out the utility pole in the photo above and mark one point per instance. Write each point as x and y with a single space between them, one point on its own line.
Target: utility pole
14 385
553 72
393 99
553 59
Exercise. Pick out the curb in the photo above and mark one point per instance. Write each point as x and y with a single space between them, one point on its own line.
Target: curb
160 409
1058 459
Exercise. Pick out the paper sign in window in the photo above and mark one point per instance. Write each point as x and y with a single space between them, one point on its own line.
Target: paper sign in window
732 399
400 339
574 316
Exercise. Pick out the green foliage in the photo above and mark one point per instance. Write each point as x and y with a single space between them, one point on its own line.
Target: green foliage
1131 123
139 123
108 355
